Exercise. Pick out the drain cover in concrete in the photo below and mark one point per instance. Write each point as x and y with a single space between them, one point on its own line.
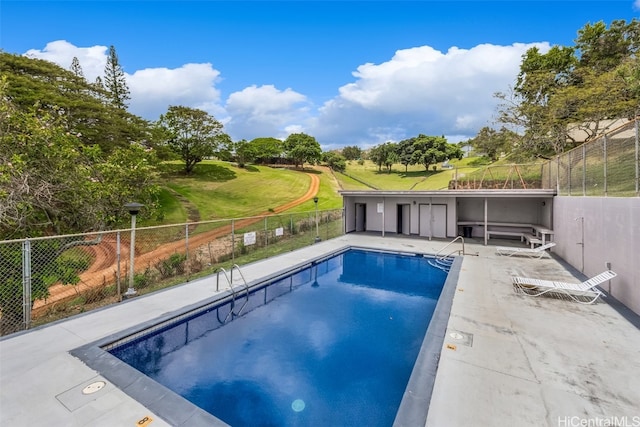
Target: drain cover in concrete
84 393
458 337
94 387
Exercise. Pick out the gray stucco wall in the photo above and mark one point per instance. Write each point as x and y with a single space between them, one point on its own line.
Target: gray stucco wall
375 218
611 234
530 211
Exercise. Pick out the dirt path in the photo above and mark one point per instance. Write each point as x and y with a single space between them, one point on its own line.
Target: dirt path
103 269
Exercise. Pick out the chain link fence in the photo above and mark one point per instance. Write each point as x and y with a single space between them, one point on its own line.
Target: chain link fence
607 166
501 177
46 279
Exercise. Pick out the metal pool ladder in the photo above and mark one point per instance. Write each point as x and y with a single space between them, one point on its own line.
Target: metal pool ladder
234 294
443 262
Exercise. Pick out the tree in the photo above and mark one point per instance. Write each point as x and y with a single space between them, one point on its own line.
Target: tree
192 133
352 152
384 155
540 78
50 183
405 152
335 161
604 49
301 148
569 89
433 149
267 149
629 71
76 68
115 82
81 106
493 142
244 152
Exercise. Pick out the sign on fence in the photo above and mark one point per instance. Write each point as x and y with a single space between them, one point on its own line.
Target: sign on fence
279 231
250 238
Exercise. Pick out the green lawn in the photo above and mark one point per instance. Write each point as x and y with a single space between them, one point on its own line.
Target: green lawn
357 176
328 196
440 180
219 189
349 183
222 190
395 179
171 211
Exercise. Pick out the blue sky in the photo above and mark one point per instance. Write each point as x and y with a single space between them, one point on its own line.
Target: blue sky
347 73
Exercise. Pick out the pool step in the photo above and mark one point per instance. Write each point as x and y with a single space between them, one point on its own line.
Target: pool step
443 263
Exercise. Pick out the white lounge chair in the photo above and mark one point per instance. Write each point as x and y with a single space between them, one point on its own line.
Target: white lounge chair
587 289
538 252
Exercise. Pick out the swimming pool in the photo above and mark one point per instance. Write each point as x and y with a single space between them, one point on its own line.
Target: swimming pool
302 352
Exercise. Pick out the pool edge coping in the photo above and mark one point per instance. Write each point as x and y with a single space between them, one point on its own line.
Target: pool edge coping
414 406
178 411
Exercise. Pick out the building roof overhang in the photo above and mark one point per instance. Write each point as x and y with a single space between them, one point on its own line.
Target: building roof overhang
453 193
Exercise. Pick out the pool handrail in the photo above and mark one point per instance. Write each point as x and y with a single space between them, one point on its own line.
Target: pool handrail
460 252
229 278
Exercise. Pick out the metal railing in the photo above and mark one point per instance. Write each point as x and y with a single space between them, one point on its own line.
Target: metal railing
607 166
234 295
48 278
444 261
496 177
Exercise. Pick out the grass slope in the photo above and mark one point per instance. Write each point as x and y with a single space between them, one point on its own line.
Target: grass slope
366 176
219 189
328 196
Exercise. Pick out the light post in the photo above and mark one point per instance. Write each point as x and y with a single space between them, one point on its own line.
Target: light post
133 209
315 200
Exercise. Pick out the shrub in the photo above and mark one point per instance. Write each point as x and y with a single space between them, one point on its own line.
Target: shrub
172 266
142 280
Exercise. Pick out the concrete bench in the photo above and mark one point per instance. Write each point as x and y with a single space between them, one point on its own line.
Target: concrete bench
532 240
504 233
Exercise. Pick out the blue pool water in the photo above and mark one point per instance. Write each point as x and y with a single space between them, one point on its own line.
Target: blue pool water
333 344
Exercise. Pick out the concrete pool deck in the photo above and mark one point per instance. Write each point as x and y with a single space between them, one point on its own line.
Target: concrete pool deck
516 360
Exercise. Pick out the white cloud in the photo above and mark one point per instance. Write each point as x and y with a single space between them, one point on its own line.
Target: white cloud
418 90
421 90
266 111
153 90
636 4
92 59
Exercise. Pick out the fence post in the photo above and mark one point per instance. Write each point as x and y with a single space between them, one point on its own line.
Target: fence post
233 242
558 174
186 248
26 283
266 236
637 157
118 266
569 177
604 154
584 169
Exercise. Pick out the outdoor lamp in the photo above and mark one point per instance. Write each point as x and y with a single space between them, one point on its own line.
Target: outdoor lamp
315 200
133 209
